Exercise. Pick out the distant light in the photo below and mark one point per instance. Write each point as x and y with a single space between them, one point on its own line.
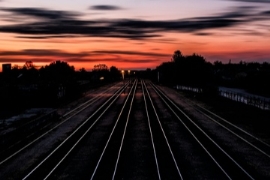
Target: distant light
123 74
101 78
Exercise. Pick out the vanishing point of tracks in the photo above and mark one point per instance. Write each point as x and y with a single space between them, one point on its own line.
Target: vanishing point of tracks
134 130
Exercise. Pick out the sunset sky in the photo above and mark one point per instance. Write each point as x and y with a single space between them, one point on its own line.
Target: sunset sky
132 34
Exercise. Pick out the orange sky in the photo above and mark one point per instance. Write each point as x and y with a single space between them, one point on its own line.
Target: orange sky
113 33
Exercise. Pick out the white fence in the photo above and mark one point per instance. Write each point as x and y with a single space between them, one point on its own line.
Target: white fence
262 103
186 88
236 95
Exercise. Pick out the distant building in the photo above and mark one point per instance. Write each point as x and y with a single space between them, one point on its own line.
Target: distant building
6 68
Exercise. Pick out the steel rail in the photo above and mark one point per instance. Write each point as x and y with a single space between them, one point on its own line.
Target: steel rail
77 142
238 165
229 123
110 136
77 129
151 133
194 136
164 134
233 125
231 131
125 129
90 100
237 135
44 134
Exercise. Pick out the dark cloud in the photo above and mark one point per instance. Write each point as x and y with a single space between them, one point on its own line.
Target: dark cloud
42 52
130 53
46 55
105 7
139 60
266 13
17 60
47 37
50 55
121 60
51 24
41 13
203 34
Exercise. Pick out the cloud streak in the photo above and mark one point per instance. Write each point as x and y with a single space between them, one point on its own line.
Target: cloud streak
41 13
105 7
43 55
131 53
55 52
42 52
47 23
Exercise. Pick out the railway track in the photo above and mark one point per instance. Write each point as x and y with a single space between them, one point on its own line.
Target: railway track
27 132
26 145
250 139
237 160
112 150
167 165
47 166
138 132
116 158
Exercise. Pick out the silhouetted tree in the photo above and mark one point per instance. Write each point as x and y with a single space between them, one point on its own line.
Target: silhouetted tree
115 74
82 70
167 73
177 56
186 70
57 80
100 73
58 71
100 67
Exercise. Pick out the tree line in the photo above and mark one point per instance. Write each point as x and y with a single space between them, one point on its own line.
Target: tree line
193 70
49 85
58 82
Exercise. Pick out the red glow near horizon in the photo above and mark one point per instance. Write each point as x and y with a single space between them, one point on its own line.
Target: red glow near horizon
132 35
